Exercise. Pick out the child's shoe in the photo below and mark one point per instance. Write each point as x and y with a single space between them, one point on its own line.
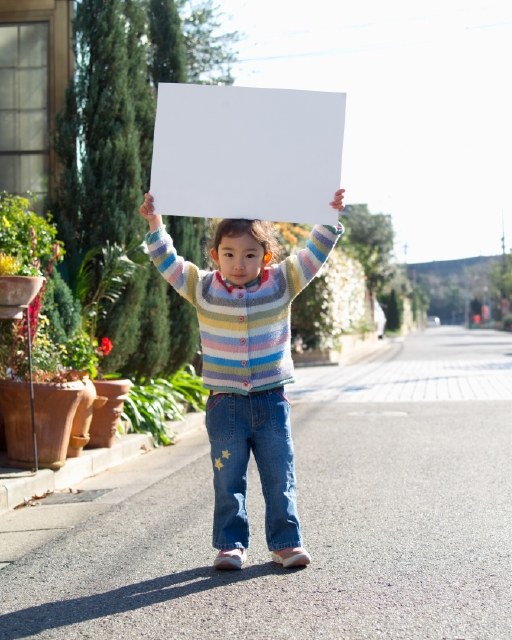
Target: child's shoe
292 557
230 559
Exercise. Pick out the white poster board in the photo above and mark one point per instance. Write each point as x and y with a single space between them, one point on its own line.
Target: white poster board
238 152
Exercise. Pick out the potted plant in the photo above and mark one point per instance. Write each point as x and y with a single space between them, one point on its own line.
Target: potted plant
30 250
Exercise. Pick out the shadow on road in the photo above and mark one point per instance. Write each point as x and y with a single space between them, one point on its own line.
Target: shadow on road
52 615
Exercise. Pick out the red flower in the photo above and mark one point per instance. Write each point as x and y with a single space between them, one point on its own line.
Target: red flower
106 346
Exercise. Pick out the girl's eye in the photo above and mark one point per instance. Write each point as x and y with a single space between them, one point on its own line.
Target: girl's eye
228 255
250 255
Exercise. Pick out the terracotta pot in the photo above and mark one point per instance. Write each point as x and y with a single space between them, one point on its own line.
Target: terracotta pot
54 408
82 420
105 419
17 291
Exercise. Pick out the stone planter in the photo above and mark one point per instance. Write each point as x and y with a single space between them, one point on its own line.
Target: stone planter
17 291
105 420
82 420
54 405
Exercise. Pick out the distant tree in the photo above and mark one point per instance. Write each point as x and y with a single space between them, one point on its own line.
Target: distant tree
393 308
210 54
369 238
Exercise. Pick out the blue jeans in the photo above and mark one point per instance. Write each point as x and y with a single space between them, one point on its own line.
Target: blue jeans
237 425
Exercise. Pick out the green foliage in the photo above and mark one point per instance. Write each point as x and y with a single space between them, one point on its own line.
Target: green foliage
16 220
150 405
507 322
66 202
420 301
81 354
393 307
369 238
103 275
184 327
168 60
152 358
62 310
332 304
501 277
209 53
110 165
141 91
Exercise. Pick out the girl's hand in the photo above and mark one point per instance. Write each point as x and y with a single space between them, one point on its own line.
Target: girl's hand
337 203
147 210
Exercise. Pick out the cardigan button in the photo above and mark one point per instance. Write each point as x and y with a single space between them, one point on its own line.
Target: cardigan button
244 363
241 319
243 340
246 384
240 295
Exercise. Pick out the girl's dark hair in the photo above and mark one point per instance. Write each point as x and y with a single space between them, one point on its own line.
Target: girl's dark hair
262 231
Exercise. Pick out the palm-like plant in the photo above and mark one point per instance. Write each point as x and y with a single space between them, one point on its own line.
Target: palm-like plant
103 275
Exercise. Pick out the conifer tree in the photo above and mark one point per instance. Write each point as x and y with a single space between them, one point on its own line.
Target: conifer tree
152 356
111 173
99 196
168 64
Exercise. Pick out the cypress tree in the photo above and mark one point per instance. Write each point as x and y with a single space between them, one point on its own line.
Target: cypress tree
65 204
152 356
110 171
168 64
168 58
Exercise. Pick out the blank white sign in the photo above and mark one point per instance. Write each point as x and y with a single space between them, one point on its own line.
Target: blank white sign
238 152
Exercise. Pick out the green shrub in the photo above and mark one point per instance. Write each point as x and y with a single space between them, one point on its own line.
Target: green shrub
150 405
16 220
507 322
61 309
332 304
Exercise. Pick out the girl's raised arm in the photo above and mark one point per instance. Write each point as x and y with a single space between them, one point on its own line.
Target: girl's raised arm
178 272
303 267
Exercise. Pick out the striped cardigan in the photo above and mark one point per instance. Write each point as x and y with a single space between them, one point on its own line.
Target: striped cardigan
245 331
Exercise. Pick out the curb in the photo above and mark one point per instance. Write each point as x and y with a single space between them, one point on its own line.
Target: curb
16 490
20 488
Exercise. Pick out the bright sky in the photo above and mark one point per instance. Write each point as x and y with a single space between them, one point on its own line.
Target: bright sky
428 133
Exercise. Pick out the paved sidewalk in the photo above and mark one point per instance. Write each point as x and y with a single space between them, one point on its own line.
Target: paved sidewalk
413 381
483 372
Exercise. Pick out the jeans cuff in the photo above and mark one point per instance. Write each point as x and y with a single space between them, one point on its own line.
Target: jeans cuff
284 545
227 547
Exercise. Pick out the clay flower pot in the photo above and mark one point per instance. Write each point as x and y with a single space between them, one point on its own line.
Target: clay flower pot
16 291
54 406
82 420
105 419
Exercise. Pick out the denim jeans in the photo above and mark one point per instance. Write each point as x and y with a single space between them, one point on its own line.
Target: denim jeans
258 422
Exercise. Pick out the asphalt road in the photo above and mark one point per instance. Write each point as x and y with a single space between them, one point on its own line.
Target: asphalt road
406 511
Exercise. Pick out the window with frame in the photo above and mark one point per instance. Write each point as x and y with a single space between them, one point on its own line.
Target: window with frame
24 109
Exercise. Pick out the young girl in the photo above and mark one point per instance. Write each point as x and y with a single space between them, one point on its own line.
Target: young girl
244 318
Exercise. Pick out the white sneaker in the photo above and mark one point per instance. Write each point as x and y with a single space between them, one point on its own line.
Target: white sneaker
292 557
230 559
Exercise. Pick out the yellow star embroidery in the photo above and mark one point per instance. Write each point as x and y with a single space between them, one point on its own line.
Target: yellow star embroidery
218 464
226 454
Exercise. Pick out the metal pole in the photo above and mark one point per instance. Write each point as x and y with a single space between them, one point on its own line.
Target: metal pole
35 469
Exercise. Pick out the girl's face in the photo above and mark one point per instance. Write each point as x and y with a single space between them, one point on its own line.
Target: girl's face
241 259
